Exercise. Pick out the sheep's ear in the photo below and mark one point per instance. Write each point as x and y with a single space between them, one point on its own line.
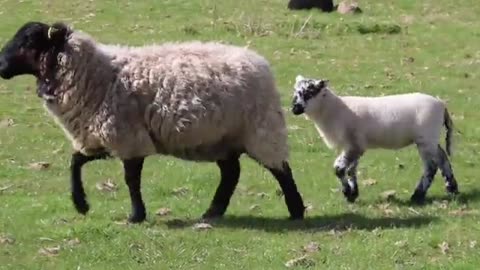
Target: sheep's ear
299 78
58 33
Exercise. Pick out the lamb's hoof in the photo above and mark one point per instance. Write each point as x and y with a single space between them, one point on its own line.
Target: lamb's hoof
418 197
81 205
353 196
214 212
350 194
137 218
351 199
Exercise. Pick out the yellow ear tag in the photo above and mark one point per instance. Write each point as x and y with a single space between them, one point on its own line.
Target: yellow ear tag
50 31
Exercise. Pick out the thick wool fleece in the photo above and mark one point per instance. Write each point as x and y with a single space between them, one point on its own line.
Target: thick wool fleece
195 101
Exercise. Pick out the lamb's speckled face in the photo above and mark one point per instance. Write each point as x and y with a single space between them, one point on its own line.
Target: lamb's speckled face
304 91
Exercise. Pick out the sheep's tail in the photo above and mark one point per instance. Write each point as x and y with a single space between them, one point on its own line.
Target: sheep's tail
447 121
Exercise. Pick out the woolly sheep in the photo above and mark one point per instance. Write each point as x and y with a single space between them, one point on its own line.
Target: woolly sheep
354 124
195 101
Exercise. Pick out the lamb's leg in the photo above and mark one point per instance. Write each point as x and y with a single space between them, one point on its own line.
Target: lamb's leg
229 175
447 172
430 167
133 174
352 179
345 163
78 193
292 196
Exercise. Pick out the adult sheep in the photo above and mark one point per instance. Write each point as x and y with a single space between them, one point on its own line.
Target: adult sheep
355 124
195 101
323 5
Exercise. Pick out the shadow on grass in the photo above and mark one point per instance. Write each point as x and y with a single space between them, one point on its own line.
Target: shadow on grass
466 197
339 222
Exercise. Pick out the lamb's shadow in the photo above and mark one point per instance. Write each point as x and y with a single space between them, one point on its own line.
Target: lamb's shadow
472 195
323 223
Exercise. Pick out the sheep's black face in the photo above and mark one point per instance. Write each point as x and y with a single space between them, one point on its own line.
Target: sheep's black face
21 55
304 91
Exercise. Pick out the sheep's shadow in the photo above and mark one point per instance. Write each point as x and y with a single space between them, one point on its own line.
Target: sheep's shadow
472 195
339 222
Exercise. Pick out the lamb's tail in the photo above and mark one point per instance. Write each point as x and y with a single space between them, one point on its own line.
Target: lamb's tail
447 121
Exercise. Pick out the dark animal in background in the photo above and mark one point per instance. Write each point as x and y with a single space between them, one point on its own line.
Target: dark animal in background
324 5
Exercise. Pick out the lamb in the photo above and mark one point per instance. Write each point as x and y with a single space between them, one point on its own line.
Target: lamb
203 102
354 124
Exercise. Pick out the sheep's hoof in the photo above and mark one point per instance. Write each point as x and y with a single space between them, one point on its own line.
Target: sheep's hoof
80 203
214 212
137 218
296 216
452 189
418 197
82 209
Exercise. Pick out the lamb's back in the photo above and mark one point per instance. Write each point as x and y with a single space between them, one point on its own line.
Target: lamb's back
397 120
393 108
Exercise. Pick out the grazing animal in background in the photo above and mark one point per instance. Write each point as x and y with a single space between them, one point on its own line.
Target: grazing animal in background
354 124
194 101
324 5
348 7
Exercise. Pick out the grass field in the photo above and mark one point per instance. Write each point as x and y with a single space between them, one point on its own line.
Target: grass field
431 46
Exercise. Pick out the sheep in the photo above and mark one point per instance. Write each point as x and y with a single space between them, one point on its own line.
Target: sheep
353 124
324 5
203 102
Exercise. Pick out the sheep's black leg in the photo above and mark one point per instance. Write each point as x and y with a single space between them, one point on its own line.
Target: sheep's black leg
229 175
78 193
344 165
451 185
430 168
133 174
293 199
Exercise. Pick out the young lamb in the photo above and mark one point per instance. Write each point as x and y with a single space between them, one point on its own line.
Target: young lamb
195 101
354 124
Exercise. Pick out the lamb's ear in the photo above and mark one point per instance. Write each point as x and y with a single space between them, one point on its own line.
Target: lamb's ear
299 78
58 33
320 84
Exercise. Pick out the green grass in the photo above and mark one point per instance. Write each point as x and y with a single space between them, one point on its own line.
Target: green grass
364 54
